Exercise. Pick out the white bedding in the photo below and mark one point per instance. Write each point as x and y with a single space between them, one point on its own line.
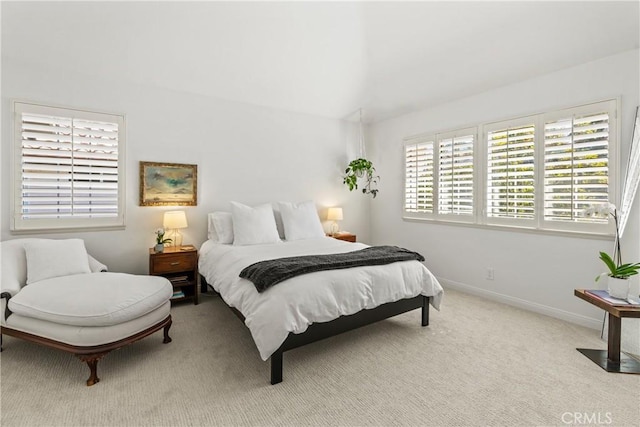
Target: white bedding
296 303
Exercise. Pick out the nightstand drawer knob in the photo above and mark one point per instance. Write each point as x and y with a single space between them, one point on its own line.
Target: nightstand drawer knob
175 263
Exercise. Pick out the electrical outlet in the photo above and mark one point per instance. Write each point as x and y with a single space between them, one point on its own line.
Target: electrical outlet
489 273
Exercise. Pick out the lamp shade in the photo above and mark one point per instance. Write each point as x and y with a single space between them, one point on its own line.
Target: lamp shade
175 219
334 214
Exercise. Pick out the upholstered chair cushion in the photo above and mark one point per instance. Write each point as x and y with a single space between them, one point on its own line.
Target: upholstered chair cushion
94 299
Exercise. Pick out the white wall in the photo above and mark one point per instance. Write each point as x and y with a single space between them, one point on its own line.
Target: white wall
245 153
532 270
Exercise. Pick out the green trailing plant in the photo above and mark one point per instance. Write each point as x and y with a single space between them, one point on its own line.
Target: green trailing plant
361 169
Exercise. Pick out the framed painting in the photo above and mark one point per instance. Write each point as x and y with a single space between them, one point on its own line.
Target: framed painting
168 184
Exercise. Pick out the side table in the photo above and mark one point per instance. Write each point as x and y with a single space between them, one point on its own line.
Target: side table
611 360
179 264
347 237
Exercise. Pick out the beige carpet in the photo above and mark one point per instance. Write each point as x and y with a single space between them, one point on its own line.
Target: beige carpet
480 363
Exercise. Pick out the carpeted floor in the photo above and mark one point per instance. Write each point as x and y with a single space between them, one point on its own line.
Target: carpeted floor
480 363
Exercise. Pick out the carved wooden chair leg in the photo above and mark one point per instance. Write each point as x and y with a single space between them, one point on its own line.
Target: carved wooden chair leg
92 362
167 338
93 366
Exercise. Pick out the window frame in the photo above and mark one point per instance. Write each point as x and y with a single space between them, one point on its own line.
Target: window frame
538 224
613 162
17 223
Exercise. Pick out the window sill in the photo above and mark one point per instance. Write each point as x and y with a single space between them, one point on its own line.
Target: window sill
515 229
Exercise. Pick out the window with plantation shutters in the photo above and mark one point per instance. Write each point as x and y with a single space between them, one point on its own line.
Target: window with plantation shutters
577 163
439 176
510 191
539 172
455 174
69 168
419 177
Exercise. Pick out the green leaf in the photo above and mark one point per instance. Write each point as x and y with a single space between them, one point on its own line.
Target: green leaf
608 261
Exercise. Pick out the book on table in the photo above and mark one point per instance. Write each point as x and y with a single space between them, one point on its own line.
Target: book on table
604 295
179 281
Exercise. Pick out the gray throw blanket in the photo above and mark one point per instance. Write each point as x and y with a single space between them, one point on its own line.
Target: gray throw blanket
265 274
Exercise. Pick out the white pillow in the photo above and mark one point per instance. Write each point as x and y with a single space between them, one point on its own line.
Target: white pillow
223 224
253 226
211 228
300 220
220 227
54 258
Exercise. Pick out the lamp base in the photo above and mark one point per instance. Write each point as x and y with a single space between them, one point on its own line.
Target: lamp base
176 239
334 228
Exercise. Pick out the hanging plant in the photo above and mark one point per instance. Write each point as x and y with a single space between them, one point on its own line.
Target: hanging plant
361 169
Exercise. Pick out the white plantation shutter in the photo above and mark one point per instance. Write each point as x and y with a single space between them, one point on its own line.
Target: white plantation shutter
419 177
632 177
510 188
539 172
69 168
577 164
455 174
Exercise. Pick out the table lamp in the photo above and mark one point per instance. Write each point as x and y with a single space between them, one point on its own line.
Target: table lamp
174 221
335 215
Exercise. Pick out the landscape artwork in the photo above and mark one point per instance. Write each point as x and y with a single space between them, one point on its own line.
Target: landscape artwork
168 184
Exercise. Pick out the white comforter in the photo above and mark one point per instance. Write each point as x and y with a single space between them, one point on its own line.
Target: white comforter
296 303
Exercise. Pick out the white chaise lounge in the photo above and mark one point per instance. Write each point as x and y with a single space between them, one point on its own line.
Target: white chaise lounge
53 293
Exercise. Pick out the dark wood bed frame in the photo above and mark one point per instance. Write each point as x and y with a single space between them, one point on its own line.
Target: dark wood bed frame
319 331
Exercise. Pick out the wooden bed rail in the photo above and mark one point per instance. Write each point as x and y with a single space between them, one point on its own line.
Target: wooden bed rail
320 331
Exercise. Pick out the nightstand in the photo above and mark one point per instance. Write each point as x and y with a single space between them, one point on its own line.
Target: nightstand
347 237
179 264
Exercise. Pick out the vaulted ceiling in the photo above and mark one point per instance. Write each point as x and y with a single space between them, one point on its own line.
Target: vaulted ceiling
322 58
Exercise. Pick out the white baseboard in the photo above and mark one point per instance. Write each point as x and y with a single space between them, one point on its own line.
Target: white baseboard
578 319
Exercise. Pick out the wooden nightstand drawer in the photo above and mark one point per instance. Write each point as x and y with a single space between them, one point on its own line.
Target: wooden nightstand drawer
173 262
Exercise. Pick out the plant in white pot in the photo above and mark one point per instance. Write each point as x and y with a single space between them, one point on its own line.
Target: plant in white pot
619 273
160 240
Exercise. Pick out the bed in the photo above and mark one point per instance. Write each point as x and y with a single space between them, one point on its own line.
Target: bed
313 306
310 307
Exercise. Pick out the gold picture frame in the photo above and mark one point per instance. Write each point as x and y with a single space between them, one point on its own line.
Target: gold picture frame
168 184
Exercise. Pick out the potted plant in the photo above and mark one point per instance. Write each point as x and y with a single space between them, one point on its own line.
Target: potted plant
619 273
361 169
160 240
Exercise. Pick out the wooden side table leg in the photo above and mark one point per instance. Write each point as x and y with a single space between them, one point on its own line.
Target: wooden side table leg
613 341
